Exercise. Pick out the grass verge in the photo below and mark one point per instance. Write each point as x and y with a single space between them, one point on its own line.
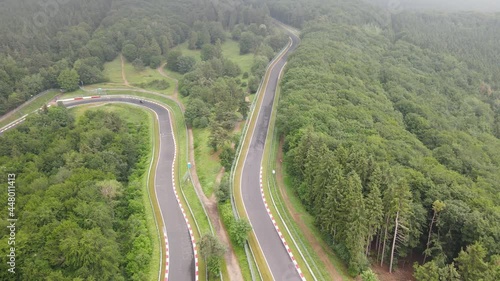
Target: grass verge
207 162
227 217
30 106
113 71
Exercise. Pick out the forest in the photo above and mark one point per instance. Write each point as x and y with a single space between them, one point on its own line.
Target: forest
396 150
70 49
63 45
79 197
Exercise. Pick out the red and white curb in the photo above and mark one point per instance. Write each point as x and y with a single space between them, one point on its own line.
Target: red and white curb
278 230
80 98
167 259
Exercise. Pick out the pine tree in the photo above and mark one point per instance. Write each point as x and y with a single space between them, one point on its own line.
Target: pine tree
354 229
374 208
331 216
323 178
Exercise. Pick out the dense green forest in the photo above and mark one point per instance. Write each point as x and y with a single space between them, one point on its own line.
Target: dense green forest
65 44
79 202
60 44
396 149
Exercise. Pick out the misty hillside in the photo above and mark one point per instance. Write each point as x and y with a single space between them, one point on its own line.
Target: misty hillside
441 5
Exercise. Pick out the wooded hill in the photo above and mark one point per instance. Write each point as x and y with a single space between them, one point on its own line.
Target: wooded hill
72 227
58 45
392 140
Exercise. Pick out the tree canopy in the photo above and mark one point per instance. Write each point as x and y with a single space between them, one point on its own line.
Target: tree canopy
383 117
79 197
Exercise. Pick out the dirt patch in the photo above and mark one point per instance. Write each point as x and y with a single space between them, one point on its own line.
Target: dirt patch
124 77
404 273
215 155
238 126
233 267
311 239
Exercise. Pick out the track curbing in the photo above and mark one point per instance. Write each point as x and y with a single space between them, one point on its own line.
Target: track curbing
276 227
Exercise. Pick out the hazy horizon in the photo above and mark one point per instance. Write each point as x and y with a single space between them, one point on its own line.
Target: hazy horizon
442 5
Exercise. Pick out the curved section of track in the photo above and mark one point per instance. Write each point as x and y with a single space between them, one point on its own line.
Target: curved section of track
277 256
181 261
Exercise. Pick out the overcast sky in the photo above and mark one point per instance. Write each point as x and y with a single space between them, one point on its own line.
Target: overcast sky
480 5
452 5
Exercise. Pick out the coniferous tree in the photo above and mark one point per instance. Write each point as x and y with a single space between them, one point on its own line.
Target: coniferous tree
355 230
374 208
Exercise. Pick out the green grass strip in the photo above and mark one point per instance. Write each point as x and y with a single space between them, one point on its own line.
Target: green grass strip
30 106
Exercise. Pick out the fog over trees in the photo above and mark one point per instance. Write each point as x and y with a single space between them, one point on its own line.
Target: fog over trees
442 5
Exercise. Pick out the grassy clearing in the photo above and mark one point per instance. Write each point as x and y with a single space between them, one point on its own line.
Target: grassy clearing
207 162
30 106
136 116
129 113
251 98
136 78
231 50
113 71
196 54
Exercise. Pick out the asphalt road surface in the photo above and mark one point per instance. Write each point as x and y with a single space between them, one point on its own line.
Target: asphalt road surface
275 253
181 265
